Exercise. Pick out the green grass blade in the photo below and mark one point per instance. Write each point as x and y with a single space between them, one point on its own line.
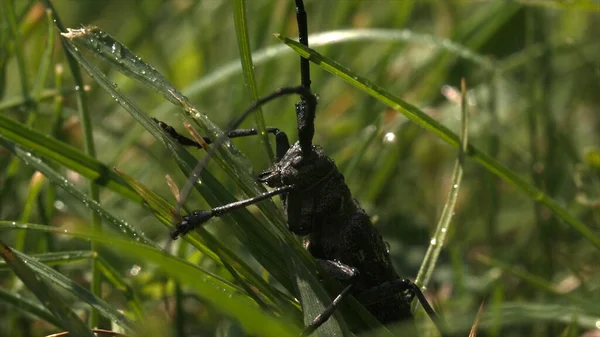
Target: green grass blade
215 291
241 29
58 258
58 179
206 243
64 154
439 236
44 293
424 120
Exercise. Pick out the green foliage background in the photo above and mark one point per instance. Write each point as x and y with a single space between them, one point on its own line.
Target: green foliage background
533 76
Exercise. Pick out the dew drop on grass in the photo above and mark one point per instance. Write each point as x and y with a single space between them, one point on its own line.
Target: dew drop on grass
433 242
135 270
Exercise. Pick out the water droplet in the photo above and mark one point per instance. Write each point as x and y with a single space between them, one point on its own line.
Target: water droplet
389 137
116 49
433 242
455 186
444 229
135 270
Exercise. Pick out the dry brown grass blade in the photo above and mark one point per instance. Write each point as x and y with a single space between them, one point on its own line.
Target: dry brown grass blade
473 331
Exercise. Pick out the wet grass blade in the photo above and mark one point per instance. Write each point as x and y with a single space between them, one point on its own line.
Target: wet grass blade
217 292
58 179
44 293
437 242
58 258
206 243
63 154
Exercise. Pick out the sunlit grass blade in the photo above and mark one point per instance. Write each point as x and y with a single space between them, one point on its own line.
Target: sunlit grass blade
439 236
217 292
51 300
424 120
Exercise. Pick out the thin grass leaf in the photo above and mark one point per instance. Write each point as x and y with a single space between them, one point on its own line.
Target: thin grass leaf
58 258
35 185
241 30
439 236
44 293
424 120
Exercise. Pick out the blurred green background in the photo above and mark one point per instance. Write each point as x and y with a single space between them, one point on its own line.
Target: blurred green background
533 77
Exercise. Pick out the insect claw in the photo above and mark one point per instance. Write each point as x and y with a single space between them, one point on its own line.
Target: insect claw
191 221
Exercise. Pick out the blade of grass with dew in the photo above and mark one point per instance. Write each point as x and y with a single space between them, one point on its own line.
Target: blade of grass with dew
64 154
29 307
437 242
58 179
241 33
217 292
69 285
58 258
424 120
205 242
257 238
104 46
233 162
51 300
